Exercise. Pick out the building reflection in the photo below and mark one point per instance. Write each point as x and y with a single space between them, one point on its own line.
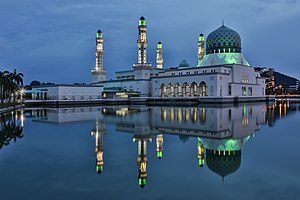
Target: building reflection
223 157
221 132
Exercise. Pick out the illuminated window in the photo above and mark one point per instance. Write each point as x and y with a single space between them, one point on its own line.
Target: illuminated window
244 91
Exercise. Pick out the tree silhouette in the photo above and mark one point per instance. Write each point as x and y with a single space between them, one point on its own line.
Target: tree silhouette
10 130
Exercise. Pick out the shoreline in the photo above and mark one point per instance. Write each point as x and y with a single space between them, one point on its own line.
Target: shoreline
151 101
12 108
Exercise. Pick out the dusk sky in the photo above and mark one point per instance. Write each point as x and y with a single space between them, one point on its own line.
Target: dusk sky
54 41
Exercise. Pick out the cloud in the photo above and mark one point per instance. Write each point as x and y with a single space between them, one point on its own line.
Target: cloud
64 30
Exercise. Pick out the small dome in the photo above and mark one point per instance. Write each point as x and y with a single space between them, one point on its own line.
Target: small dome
159 43
142 18
184 63
201 34
223 40
99 31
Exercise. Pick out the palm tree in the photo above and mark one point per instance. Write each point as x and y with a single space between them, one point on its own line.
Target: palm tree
3 83
9 84
16 80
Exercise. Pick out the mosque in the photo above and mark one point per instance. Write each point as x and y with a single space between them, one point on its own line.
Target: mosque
222 71
222 75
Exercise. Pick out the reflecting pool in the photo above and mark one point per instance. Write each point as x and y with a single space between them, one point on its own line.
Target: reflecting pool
138 152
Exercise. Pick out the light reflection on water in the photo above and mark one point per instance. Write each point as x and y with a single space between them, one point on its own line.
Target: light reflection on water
114 151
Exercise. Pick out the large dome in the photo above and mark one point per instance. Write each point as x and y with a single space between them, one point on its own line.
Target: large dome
223 40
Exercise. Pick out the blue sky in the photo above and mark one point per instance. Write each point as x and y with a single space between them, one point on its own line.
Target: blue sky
54 40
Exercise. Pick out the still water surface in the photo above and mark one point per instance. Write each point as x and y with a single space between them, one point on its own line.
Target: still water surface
138 152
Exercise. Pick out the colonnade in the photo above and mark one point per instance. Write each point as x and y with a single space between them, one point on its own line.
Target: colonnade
183 90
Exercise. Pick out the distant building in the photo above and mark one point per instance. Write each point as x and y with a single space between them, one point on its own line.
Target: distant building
268 74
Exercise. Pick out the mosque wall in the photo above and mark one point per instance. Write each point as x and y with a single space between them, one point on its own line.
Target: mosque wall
69 92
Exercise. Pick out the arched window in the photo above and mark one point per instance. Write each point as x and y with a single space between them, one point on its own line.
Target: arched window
177 91
163 90
194 90
202 89
185 89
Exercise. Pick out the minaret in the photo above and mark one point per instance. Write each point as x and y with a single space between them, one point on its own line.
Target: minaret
98 132
159 57
159 145
201 50
201 152
142 41
98 74
142 69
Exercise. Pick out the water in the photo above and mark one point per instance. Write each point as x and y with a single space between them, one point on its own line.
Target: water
137 152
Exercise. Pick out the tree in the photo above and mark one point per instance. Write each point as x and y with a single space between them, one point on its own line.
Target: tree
3 83
9 130
35 83
10 82
16 81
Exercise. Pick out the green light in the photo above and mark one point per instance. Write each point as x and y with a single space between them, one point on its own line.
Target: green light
98 35
201 38
224 58
159 154
201 162
99 168
142 23
142 181
159 46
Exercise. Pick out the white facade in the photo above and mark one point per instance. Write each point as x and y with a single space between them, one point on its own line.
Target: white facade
67 92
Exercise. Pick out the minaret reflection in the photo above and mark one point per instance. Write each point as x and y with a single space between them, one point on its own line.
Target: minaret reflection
159 146
201 153
98 133
142 158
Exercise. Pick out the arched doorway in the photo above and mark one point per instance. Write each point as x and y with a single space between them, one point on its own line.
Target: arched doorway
194 90
177 91
185 89
170 90
163 90
202 89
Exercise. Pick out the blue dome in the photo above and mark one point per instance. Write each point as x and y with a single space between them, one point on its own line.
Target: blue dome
184 63
223 40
